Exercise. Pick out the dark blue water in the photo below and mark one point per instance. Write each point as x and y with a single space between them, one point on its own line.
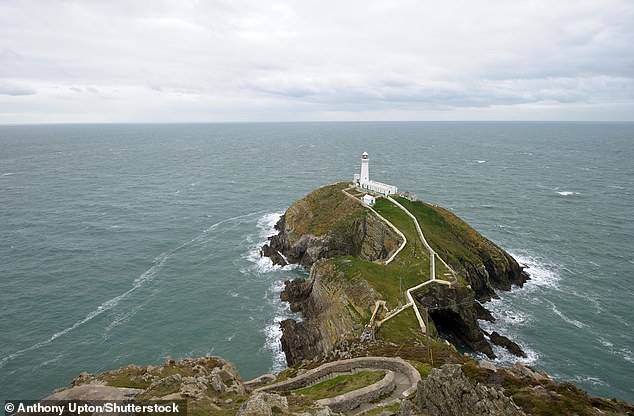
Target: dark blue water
131 243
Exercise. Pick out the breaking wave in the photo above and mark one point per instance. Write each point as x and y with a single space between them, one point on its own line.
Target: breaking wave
541 272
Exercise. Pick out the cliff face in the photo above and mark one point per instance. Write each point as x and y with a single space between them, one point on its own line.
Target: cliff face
333 306
328 224
457 318
448 392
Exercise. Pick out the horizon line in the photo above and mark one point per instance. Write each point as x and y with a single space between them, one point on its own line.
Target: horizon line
67 123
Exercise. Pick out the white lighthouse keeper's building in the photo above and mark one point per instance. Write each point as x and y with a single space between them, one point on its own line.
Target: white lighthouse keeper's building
363 180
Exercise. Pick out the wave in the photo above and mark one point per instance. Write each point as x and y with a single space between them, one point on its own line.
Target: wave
596 381
567 193
273 331
8 174
260 264
145 277
481 161
566 319
541 272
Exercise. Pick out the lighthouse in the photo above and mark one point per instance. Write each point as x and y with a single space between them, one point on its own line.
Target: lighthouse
363 180
365 168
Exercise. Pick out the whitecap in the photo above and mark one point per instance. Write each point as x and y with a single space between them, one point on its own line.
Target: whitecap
8 174
626 354
567 193
481 161
596 381
566 319
605 342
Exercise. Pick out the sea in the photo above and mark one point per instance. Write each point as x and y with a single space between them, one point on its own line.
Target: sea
132 243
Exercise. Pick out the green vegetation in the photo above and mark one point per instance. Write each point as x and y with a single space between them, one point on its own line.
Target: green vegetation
341 384
473 371
449 236
218 408
127 377
325 210
409 268
390 408
423 368
132 377
401 327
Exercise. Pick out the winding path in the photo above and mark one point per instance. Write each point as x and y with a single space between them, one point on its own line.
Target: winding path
432 263
401 380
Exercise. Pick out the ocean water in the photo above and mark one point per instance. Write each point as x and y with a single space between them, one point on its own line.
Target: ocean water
131 243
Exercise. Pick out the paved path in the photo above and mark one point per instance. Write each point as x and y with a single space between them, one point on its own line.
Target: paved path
404 383
433 256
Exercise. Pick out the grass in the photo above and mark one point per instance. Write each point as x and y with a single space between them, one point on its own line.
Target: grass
409 268
219 408
129 377
341 384
322 211
423 368
403 326
390 408
449 236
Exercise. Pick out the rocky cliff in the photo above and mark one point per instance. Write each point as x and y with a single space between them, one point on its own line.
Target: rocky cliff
334 306
326 224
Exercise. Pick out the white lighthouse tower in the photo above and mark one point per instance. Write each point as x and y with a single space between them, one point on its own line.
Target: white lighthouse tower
363 181
365 169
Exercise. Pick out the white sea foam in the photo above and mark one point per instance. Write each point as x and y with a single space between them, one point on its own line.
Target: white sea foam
596 381
566 319
605 342
273 331
8 174
481 161
147 276
541 272
51 361
504 357
626 354
260 264
567 193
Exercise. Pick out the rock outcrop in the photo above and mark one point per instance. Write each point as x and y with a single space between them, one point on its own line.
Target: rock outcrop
197 379
327 301
448 392
325 224
511 346
457 318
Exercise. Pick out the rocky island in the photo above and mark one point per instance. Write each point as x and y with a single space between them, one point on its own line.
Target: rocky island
390 324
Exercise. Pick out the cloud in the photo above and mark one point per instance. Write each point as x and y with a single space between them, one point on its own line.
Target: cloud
283 60
15 89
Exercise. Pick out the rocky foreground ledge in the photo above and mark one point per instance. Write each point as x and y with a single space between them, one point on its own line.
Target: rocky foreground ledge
212 386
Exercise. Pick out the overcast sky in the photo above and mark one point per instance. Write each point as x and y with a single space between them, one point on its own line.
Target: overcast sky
134 60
